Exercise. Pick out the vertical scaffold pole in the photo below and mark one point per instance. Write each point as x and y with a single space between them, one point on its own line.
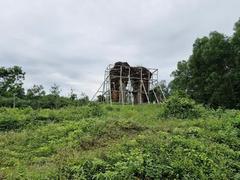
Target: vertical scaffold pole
104 91
131 93
121 87
140 87
155 95
109 85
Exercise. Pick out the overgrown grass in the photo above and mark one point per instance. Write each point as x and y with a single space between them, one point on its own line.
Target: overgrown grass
118 142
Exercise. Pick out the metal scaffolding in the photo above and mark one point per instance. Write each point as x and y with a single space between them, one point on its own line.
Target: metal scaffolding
123 86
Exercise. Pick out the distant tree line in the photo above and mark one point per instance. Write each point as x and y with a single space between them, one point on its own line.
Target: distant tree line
12 93
211 75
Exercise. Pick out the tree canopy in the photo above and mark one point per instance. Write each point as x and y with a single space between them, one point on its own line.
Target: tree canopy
11 81
211 75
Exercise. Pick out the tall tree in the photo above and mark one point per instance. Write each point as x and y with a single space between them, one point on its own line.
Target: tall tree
73 96
235 73
212 74
55 90
11 81
36 91
181 77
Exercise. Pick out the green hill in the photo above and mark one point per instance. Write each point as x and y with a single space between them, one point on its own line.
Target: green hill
118 142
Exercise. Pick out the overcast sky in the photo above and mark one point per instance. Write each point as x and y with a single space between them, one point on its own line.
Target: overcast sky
70 42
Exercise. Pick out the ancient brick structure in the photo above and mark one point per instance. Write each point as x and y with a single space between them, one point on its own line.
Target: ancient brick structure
123 75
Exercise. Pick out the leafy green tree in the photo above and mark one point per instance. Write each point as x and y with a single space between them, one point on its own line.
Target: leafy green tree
36 91
73 96
211 75
235 72
84 99
55 90
208 65
181 77
11 81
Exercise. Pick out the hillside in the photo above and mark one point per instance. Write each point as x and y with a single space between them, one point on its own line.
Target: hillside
118 142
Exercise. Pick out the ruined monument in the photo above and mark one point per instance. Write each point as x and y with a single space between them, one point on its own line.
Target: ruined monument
121 74
128 84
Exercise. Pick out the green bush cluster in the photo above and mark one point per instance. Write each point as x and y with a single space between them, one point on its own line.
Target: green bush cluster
118 142
13 119
160 157
181 108
48 101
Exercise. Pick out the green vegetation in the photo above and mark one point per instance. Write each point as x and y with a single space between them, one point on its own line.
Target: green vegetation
48 136
120 142
12 93
211 75
180 107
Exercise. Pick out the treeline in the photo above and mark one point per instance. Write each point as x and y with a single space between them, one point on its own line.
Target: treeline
12 93
211 75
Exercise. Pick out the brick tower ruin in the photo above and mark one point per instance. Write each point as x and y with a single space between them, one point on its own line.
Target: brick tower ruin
127 84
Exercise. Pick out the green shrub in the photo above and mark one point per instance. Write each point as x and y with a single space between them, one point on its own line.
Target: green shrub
181 108
9 123
43 117
126 142
12 119
95 110
159 157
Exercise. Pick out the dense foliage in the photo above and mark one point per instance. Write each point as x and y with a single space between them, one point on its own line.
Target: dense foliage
180 107
211 75
11 81
12 93
119 142
47 101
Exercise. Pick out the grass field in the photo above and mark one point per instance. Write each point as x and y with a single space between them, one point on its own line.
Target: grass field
118 142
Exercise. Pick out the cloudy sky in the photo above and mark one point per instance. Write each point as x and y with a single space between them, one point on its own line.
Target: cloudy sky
70 42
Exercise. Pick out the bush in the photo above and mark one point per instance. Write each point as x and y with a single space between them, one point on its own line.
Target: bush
9 123
95 110
11 119
181 108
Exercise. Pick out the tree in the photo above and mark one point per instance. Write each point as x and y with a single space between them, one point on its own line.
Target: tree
211 75
181 77
73 96
36 91
84 99
235 73
55 90
11 81
54 97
